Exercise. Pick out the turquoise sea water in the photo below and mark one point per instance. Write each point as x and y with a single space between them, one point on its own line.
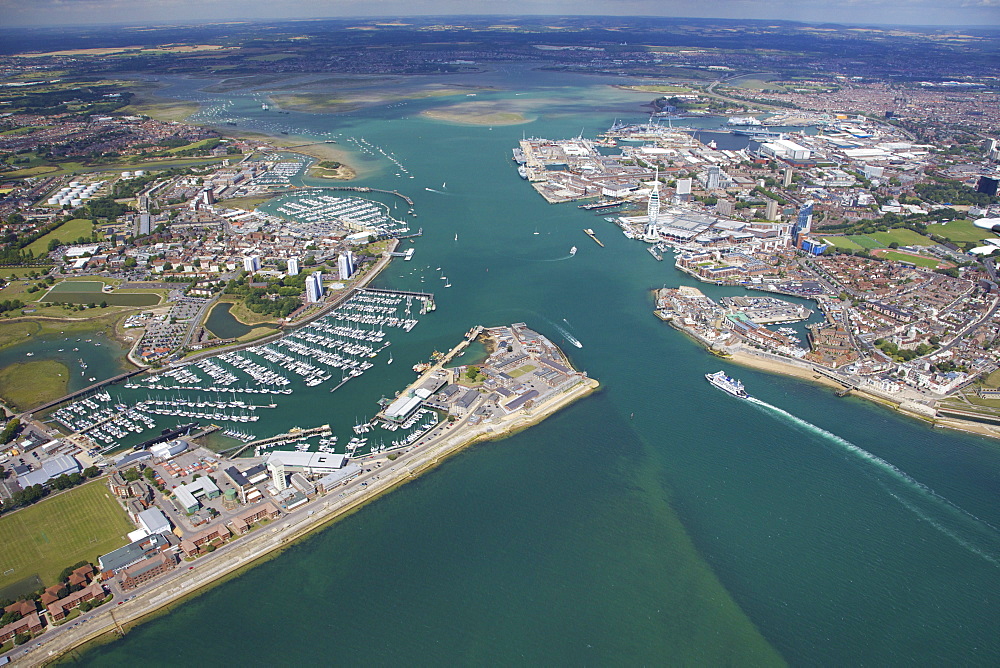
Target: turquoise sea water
658 521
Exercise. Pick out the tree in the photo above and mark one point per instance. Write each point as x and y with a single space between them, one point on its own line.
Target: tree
22 638
472 372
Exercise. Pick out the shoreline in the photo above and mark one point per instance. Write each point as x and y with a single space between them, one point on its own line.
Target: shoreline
793 370
270 540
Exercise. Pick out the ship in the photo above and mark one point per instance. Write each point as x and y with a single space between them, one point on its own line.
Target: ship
572 251
602 204
264 106
734 387
743 120
522 171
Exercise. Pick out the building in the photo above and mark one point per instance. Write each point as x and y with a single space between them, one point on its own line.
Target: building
52 468
61 608
243 523
168 449
987 185
192 544
771 210
31 623
345 265
244 487
293 266
314 287
785 149
786 177
282 463
187 495
683 190
713 180
251 263
153 521
338 477
142 572
803 223
133 553
142 224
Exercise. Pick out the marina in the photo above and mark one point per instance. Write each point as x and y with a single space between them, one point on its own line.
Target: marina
224 389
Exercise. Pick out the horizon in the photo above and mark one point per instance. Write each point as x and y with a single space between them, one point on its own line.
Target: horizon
979 14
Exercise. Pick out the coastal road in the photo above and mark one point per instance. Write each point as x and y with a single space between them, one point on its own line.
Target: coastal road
377 478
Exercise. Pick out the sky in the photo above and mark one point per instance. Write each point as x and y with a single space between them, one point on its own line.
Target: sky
135 12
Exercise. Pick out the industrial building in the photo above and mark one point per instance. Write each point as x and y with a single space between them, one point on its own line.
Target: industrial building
785 149
153 521
52 468
282 463
169 449
187 495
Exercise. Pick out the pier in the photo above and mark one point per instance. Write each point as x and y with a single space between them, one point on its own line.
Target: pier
366 189
292 435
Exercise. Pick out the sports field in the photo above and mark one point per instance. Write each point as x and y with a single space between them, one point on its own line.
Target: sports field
960 231
865 241
89 292
919 260
43 539
841 242
903 237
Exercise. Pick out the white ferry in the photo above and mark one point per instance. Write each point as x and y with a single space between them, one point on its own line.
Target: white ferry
734 387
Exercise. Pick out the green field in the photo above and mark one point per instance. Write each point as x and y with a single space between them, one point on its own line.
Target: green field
842 242
67 233
865 241
960 231
43 539
920 261
24 385
903 237
89 292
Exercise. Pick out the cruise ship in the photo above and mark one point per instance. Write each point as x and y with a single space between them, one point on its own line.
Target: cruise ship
727 384
743 121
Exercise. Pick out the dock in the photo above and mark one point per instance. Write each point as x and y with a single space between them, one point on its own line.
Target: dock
293 434
590 233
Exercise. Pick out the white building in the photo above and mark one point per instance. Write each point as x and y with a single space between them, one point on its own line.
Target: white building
153 521
283 463
785 149
314 287
293 266
251 263
345 265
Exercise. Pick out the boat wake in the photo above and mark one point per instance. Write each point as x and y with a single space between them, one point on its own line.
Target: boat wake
569 337
439 192
924 502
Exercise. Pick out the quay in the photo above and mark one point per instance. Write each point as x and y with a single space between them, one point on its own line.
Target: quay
590 233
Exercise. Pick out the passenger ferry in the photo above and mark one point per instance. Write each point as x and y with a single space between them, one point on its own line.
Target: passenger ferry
734 387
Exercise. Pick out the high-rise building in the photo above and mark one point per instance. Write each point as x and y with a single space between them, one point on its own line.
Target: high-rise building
293 266
683 190
989 145
714 179
142 224
988 185
724 207
251 263
771 210
345 264
803 224
314 287
786 177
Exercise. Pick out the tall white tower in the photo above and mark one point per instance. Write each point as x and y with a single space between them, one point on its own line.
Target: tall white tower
653 206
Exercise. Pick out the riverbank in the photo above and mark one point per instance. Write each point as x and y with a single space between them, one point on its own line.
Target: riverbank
265 543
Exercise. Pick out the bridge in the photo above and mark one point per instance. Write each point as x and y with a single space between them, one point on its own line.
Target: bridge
87 390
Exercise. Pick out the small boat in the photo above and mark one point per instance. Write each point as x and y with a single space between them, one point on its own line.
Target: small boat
572 251
456 236
390 360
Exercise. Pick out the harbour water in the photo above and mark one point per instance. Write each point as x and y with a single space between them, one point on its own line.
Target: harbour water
657 521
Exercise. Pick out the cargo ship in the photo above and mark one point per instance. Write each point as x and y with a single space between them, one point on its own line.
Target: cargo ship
734 387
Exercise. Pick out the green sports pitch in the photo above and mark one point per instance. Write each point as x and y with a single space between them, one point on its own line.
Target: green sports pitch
39 541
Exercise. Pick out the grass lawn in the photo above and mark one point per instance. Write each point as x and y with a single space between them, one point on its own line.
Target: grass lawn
76 293
959 231
12 333
82 523
193 145
865 241
257 333
842 243
24 385
21 272
67 233
520 371
31 171
248 317
903 237
919 260
992 381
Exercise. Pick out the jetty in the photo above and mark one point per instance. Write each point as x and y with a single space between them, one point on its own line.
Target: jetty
590 233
